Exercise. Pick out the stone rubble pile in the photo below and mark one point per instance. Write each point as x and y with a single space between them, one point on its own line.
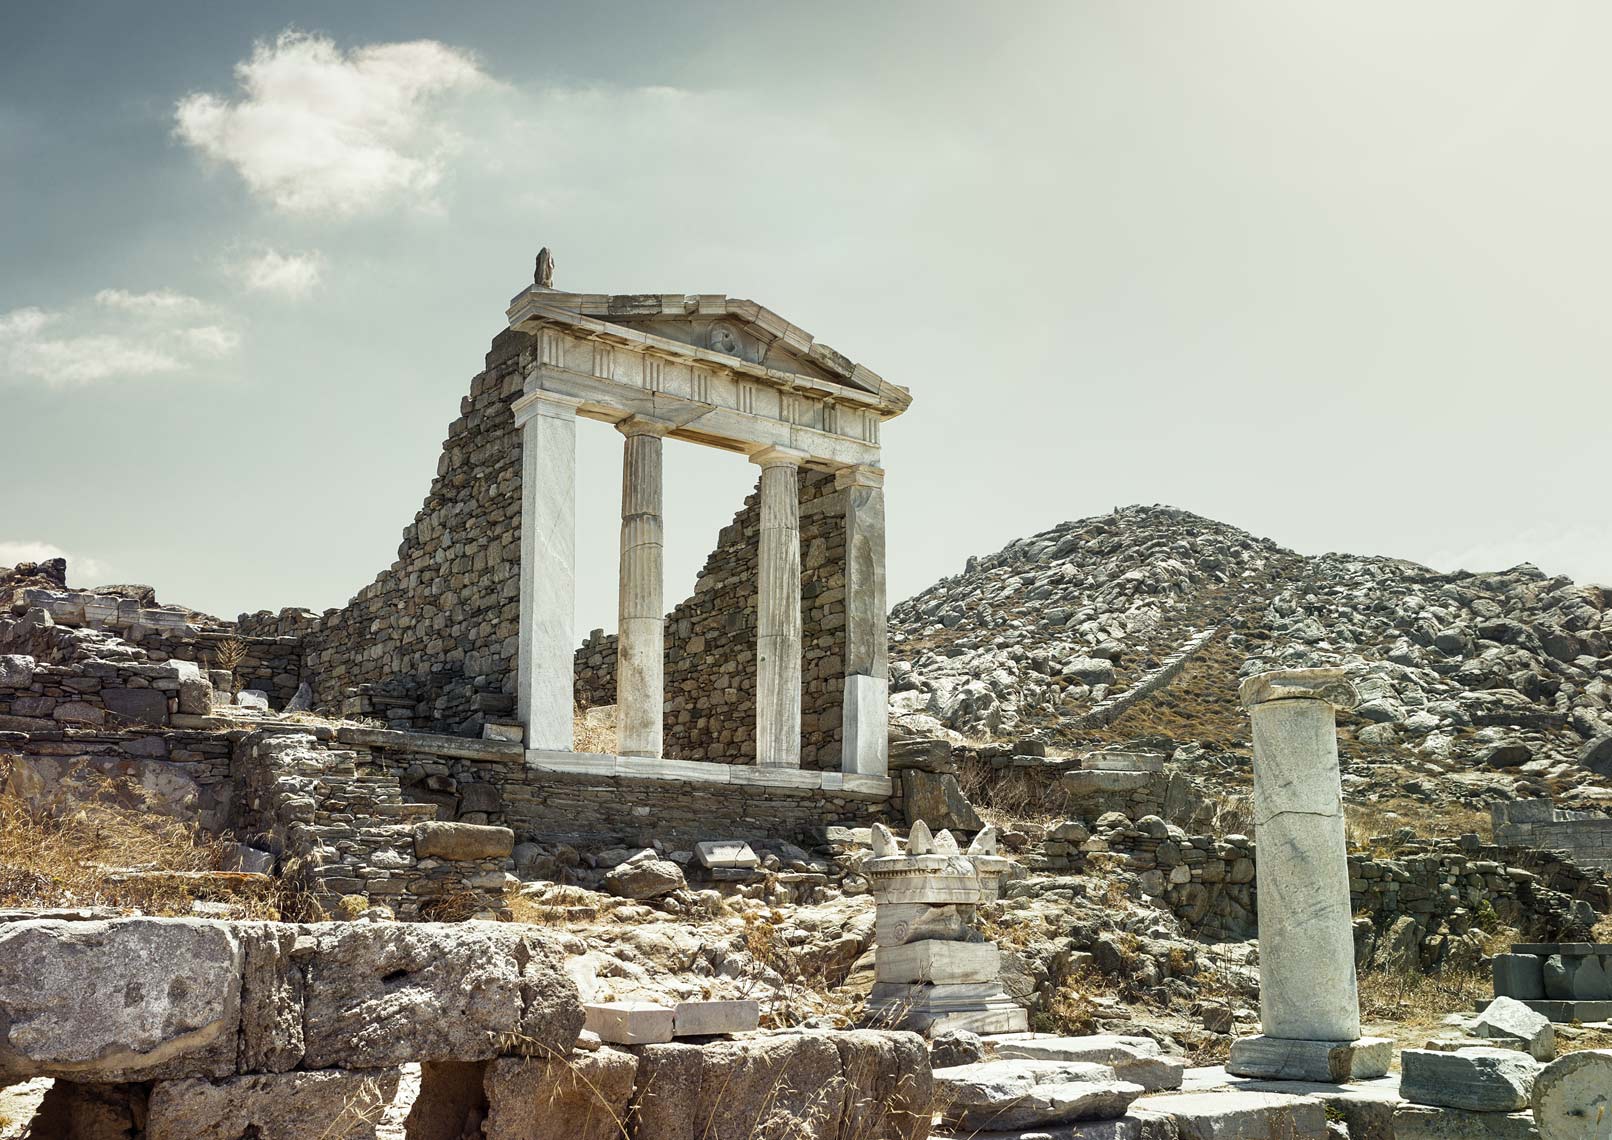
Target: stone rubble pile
1051 626
1511 670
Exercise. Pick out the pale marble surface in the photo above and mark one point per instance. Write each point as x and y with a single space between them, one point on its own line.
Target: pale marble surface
545 687
1306 936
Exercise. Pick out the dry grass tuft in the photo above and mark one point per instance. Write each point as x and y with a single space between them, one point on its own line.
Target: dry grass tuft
1418 1000
84 855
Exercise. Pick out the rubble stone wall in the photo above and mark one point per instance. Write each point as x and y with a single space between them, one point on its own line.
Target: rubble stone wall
1583 836
435 634
273 661
1444 890
711 641
340 827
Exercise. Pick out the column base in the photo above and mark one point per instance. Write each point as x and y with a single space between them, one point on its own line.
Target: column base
865 728
1327 1062
931 1009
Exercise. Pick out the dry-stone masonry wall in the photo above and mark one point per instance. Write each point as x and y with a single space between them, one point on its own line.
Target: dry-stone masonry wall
272 663
340 829
83 713
432 641
1584 836
1421 901
711 641
486 782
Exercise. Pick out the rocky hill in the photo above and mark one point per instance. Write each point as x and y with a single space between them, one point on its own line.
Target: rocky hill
1137 625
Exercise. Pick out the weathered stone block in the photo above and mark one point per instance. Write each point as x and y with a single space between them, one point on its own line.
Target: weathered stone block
580 1096
1480 1080
1242 1115
462 841
380 994
630 1022
937 961
1509 1020
280 1106
709 1018
119 1000
1573 1096
147 706
1021 1093
1276 1058
1426 1122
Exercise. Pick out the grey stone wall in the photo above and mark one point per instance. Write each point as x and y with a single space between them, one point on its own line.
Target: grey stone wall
1444 890
711 641
431 642
339 826
1584 836
273 661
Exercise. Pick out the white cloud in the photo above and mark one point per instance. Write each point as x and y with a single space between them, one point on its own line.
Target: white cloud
80 571
131 336
211 340
317 131
161 302
291 275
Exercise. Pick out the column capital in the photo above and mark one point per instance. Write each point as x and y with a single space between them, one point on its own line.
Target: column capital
1330 685
542 403
643 425
777 457
859 475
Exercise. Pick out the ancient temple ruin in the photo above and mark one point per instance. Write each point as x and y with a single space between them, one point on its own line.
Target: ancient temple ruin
724 373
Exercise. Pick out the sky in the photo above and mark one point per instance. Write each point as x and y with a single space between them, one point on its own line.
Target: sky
1332 273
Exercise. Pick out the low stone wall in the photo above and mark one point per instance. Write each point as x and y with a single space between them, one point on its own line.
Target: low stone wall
486 782
272 662
283 1032
1583 836
1412 909
340 830
711 641
1116 706
1020 773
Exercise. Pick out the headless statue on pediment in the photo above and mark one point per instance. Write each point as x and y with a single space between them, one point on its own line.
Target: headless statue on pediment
544 277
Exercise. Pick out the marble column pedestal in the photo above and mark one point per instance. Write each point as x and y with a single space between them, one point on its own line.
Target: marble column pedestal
931 975
1308 1004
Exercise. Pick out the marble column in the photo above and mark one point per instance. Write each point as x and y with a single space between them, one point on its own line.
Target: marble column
641 647
545 695
865 725
778 610
1308 1005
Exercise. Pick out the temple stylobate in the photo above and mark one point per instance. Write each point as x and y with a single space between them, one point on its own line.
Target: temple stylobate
729 374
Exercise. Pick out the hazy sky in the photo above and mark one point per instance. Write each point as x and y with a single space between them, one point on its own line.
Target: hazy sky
1335 273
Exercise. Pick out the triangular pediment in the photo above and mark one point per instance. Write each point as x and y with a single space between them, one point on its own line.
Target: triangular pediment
729 326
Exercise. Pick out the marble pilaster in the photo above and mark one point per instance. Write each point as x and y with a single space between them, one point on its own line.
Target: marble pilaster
865 745
544 693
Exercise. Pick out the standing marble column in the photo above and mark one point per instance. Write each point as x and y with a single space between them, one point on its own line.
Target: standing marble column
778 610
641 647
545 695
1308 1005
865 720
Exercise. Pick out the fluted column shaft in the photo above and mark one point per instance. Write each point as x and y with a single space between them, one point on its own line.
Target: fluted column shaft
778 611
641 649
545 667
